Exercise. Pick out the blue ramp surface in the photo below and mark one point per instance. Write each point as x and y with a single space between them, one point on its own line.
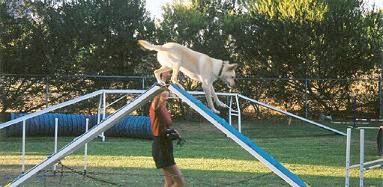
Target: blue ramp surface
239 138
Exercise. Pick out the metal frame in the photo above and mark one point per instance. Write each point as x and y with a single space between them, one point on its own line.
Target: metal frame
243 141
236 113
293 115
363 166
51 108
88 136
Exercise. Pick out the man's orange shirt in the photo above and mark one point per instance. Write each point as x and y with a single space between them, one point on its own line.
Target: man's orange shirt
160 118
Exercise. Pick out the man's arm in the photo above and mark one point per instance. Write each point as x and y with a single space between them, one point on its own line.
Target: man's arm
165 116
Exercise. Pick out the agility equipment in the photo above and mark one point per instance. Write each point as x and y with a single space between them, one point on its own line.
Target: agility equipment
88 136
362 165
74 125
294 116
239 138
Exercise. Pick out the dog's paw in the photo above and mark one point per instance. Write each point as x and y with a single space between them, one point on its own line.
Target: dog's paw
215 111
161 83
222 105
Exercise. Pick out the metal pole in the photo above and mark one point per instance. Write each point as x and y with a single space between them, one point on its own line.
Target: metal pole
99 110
23 149
143 83
348 153
230 110
239 114
103 112
56 134
361 168
86 146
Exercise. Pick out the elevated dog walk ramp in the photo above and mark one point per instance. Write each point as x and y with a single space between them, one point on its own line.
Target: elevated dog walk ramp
239 138
88 136
293 115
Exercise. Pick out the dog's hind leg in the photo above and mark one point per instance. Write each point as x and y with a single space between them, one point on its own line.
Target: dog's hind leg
157 74
216 99
208 95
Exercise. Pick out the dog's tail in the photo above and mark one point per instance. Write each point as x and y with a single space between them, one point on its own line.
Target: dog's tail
150 46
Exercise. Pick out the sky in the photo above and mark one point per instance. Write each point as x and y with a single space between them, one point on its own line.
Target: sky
379 3
154 6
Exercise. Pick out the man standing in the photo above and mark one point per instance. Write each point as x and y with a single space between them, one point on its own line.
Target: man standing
162 147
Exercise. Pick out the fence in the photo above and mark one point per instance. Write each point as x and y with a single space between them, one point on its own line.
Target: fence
340 98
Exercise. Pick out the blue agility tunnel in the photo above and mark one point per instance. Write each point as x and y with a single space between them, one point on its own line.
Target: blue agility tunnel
74 125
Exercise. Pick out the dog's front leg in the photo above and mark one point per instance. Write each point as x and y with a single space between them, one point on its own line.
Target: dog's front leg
216 99
157 74
208 95
176 70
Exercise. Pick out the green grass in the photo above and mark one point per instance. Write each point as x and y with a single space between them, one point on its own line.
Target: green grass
208 158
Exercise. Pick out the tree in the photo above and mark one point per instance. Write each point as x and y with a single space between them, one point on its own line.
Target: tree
308 39
75 38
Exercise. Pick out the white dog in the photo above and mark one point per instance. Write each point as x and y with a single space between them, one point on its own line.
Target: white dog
197 66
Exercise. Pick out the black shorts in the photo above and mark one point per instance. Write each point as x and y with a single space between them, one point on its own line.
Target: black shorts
162 152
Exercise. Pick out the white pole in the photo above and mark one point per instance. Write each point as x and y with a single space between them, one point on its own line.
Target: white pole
230 110
348 150
23 149
103 112
361 168
99 111
239 114
56 134
143 83
86 146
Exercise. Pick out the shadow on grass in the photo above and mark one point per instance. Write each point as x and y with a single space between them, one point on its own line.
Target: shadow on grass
131 176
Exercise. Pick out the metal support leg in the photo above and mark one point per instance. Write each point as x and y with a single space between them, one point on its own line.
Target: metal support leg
230 110
103 112
86 146
56 134
23 149
348 153
361 168
239 114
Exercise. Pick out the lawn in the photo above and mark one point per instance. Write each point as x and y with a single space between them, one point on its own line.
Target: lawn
208 158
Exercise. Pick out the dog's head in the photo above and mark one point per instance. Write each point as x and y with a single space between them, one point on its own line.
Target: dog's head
228 73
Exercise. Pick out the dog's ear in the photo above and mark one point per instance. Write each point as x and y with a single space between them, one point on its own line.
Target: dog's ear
233 66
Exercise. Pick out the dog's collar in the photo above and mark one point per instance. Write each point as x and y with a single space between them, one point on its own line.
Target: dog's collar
220 70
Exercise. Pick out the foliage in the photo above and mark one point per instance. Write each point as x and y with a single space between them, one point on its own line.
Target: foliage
292 40
77 37
309 39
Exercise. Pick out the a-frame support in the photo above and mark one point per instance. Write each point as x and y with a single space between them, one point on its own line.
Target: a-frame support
88 136
239 138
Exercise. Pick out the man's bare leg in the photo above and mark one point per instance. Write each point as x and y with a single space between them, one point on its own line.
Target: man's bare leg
173 176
